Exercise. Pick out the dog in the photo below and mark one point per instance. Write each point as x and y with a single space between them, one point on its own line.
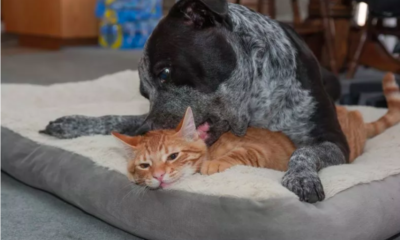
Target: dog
235 68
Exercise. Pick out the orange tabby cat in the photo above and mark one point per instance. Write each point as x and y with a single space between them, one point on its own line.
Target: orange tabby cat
163 156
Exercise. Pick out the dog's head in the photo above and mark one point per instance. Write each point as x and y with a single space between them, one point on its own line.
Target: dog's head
190 60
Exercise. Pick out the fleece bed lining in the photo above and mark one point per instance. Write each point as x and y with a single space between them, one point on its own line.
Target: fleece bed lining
28 108
242 203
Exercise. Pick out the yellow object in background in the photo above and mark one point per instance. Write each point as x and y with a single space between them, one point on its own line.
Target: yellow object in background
127 24
111 43
111 16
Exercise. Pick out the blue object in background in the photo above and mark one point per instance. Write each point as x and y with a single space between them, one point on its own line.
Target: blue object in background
127 24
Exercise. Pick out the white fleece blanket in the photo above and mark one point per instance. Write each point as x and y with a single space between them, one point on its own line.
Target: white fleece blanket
26 109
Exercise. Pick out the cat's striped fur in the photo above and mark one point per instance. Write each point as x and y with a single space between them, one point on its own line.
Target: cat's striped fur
392 94
155 147
161 157
276 156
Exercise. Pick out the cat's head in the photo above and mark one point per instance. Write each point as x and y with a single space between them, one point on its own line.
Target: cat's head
161 157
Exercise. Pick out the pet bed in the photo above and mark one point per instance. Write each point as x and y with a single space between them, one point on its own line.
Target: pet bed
362 199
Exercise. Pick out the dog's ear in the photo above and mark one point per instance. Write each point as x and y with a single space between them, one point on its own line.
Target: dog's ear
219 7
204 13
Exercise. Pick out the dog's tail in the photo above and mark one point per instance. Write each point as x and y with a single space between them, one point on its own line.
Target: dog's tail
392 117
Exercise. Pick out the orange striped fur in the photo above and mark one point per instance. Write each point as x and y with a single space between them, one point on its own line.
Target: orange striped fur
392 94
258 148
352 123
150 163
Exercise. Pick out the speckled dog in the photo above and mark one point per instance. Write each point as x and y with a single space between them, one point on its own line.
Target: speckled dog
235 68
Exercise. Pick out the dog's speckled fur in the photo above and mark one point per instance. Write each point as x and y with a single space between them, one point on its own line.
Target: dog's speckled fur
77 126
244 70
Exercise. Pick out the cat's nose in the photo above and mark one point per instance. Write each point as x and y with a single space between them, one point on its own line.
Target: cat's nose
159 175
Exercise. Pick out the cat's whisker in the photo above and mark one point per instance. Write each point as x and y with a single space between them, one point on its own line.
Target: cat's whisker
126 194
134 189
142 192
129 185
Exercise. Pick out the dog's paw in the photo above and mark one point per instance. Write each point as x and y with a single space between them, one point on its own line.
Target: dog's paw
305 184
71 127
211 167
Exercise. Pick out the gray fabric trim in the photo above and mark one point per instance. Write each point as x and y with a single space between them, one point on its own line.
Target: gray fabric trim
25 214
368 211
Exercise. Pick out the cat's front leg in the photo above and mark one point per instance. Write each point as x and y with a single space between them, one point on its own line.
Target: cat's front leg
239 156
78 125
215 166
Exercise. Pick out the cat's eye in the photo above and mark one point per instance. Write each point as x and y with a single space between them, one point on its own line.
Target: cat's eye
165 75
144 165
172 156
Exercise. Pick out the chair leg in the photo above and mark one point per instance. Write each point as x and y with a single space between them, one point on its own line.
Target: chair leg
296 13
271 9
356 57
260 6
376 55
329 35
268 10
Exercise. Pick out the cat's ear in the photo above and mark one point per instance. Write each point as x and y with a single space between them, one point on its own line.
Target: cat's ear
129 144
127 140
187 126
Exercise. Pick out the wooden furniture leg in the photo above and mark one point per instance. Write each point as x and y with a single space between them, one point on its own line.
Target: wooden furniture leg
377 56
340 13
296 13
260 5
271 9
329 34
360 47
371 52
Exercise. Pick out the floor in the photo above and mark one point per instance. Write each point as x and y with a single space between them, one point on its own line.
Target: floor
26 212
68 65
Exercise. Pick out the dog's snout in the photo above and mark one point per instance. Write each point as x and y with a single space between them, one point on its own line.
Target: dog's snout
143 129
213 119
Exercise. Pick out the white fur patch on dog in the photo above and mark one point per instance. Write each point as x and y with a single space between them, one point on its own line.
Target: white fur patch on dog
26 109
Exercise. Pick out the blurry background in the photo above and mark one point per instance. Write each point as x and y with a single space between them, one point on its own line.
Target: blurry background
48 41
53 41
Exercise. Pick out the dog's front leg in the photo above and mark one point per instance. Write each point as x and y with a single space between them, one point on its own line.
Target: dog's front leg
77 125
302 175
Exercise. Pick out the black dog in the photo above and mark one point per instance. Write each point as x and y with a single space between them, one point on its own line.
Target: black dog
235 68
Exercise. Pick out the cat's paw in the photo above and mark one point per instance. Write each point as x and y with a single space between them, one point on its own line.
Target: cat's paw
305 184
211 167
71 127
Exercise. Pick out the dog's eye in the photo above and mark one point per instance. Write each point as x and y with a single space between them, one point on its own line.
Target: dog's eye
144 165
172 156
165 75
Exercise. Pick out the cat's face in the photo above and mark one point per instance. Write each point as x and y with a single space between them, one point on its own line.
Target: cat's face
161 157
